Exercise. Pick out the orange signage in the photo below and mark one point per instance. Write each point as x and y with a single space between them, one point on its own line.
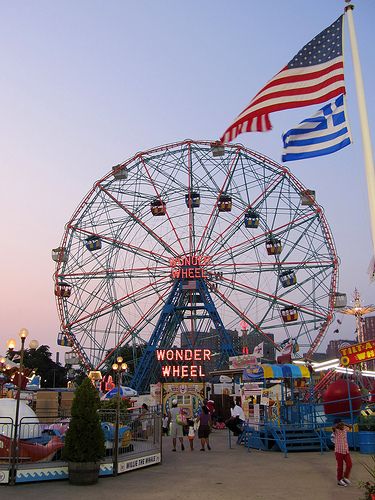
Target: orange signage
358 353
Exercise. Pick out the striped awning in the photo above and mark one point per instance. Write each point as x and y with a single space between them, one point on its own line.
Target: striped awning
275 371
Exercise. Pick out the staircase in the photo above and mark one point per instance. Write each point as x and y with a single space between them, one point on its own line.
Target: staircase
297 438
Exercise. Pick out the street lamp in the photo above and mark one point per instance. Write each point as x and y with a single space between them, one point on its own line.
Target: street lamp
118 367
11 344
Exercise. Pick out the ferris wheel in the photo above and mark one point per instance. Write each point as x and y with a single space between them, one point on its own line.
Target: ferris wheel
188 237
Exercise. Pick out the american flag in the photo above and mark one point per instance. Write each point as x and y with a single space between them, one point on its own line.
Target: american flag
313 76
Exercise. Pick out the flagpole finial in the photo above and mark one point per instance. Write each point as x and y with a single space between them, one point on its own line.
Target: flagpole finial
350 6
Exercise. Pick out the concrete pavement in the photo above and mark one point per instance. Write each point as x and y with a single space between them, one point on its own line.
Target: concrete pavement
220 474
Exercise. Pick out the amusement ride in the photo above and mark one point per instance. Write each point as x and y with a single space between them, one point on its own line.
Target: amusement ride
189 236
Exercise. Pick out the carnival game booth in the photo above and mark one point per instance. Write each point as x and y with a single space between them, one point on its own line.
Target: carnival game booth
277 418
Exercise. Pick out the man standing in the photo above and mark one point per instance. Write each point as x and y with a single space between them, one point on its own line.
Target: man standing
176 428
342 454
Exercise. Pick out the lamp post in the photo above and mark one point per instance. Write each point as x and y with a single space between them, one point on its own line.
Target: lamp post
11 344
119 367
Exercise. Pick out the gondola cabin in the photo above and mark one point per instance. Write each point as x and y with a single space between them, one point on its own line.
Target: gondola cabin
93 243
217 148
289 314
59 254
158 207
307 197
193 199
119 172
288 278
251 219
64 340
340 300
63 289
273 246
224 203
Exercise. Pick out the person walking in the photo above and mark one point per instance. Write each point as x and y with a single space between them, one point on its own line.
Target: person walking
165 424
177 427
204 428
191 433
340 430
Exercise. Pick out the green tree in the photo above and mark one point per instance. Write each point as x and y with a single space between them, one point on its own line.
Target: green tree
84 441
129 354
52 374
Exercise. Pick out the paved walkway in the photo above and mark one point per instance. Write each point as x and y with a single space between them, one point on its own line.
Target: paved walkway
220 474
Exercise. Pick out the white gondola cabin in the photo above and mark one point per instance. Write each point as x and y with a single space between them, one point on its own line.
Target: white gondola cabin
288 278
340 300
217 148
193 199
307 197
224 203
119 172
158 207
64 340
251 219
60 254
63 289
273 246
289 314
93 243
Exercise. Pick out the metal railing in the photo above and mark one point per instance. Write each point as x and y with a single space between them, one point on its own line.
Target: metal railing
40 440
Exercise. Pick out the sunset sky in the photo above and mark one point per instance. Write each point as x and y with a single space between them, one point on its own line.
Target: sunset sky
85 84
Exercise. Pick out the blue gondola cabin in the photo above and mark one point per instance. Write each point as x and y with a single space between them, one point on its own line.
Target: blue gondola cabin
63 289
193 199
224 203
64 340
158 207
251 219
273 246
288 278
289 314
93 243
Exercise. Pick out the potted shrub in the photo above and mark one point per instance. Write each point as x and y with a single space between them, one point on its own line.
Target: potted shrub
366 434
84 442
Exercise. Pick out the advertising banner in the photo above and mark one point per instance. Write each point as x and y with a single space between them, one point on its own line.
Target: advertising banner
357 353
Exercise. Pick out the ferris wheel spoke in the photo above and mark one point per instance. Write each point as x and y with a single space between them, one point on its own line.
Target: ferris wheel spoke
152 311
158 195
241 314
210 224
141 251
140 222
249 243
131 273
274 299
100 311
232 227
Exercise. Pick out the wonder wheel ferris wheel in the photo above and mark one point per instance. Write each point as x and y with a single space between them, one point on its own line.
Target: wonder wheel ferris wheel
188 237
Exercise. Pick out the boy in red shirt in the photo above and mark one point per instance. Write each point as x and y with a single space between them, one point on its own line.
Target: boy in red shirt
342 454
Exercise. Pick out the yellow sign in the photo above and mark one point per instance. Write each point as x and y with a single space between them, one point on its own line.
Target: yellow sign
357 353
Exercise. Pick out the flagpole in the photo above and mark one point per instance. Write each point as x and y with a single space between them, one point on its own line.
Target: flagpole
366 140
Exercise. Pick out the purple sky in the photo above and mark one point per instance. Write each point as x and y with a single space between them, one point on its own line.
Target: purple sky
86 84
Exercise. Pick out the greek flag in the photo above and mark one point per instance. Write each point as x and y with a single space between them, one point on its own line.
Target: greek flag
326 132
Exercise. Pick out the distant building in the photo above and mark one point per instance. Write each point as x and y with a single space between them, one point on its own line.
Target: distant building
369 334
319 357
251 340
210 340
334 346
